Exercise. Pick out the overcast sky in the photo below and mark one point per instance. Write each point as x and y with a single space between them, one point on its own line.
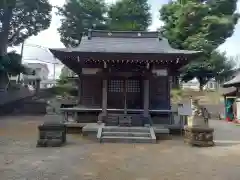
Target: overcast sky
50 37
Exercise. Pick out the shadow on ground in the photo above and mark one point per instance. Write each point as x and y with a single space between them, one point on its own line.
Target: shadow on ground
227 143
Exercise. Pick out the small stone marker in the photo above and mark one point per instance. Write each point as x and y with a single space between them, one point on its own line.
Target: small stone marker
51 134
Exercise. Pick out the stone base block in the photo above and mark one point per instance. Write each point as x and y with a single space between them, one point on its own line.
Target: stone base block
51 134
198 136
74 130
49 143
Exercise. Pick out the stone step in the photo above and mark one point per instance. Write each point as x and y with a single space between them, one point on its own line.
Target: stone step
125 129
127 134
115 139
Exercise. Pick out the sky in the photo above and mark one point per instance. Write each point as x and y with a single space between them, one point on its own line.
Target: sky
50 38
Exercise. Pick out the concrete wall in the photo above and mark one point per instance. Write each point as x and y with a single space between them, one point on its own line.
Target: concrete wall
31 107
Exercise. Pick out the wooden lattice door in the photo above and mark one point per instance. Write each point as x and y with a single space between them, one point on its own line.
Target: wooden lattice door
133 94
116 94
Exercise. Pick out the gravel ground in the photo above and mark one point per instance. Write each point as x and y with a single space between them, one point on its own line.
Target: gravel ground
83 159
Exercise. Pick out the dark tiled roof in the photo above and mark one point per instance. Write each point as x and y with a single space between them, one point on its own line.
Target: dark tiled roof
233 82
228 91
123 34
125 42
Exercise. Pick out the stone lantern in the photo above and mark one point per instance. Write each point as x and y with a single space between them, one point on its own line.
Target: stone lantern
197 132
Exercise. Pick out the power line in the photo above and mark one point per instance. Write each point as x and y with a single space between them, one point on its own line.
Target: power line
36 59
38 46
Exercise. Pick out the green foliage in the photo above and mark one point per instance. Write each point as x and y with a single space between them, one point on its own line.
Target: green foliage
81 15
65 74
19 19
11 64
64 85
64 90
200 25
176 95
62 81
218 65
78 17
27 18
129 15
223 66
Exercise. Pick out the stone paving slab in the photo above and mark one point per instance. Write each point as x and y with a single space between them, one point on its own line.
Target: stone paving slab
92 127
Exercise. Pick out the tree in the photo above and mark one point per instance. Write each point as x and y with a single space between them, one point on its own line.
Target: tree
129 15
224 67
219 66
78 17
65 73
20 19
12 64
199 25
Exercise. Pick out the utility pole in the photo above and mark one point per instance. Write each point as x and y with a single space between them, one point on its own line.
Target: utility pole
54 71
22 49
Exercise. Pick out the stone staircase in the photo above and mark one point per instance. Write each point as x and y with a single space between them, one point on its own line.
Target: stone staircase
126 134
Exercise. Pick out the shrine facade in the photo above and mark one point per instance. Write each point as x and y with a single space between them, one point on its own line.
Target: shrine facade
125 73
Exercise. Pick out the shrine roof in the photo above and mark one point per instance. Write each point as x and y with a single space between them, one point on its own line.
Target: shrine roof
230 91
124 42
235 82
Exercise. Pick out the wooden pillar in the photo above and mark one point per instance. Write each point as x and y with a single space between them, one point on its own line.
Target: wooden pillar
104 97
79 84
125 95
146 98
37 86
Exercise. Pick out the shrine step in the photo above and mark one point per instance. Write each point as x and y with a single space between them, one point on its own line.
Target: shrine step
125 129
127 134
124 139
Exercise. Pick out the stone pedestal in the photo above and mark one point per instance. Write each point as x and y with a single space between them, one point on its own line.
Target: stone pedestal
51 135
198 136
197 132
111 120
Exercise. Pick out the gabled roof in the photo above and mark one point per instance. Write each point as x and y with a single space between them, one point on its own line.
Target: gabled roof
125 42
123 47
228 91
233 82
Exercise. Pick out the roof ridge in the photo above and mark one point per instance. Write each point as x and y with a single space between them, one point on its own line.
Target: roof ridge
122 34
133 31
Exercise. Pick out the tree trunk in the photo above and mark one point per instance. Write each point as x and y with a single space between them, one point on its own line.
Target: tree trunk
7 16
201 87
4 80
202 82
6 19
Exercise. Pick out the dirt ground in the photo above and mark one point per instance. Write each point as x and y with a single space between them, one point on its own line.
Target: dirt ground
83 159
